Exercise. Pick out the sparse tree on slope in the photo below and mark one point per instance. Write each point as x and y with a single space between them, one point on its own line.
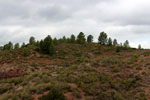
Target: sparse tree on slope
126 44
90 39
110 42
52 49
139 47
102 38
81 38
37 43
64 39
115 43
73 39
23 45
32 40
47 46
55 41
16 46
8 46
1 48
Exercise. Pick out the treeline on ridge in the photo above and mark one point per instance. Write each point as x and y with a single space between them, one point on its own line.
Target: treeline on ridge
47 45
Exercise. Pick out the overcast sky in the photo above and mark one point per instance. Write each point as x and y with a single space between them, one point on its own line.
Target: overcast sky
120 19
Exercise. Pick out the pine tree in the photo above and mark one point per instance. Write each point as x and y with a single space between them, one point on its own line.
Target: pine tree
121 45
90 39
52 49
126 44
16 46
8 46
68 40
139 47
25 52
110 42
55 41
73 39
64 39
41 45
32 40
102 38
115 43
1 48
23 45
47 46
81 38
37 43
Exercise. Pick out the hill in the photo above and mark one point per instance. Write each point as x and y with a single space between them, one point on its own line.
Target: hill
76 72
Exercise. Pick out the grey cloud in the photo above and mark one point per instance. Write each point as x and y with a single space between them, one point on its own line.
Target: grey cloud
121 19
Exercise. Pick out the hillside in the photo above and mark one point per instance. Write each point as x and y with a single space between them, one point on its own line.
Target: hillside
80 72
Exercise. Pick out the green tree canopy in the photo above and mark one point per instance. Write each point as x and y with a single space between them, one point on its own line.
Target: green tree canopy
115 43
139 47
8 46
110 42
16 46
72 39
81 38
32 40
23 45
52 49
126 44
55 41
90 39
102 38
47 46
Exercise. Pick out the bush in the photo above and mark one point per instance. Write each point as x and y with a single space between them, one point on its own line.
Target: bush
135 56
26 96
5 88
54 94
114 69
25 52
14 97
77 94
111 95
118 49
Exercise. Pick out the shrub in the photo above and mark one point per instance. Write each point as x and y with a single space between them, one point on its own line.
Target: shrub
54 94
138 68
118 49
135 56
143 73
114 69
15 97
26 96
25 52
111 95
77 94
16 81
5 88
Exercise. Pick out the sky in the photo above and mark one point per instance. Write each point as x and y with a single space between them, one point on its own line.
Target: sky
120 19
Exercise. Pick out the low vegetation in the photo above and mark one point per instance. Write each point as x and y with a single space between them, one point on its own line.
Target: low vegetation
74 68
